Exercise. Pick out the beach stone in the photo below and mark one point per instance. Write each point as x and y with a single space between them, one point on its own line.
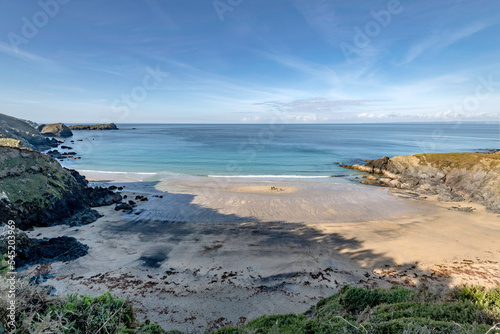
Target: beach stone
123 207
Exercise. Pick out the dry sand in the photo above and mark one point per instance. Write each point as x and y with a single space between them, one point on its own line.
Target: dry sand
212 252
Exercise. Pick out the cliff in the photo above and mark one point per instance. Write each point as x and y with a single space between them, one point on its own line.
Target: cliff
15 132
473 177
110 126
36 191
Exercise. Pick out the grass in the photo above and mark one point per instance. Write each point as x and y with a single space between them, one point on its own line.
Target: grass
39 312
30 185
469 309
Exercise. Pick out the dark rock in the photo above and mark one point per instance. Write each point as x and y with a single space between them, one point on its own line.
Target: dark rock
110 126
462 209
66 147
132 203
39 279
378 166
123 207
112 188
38 251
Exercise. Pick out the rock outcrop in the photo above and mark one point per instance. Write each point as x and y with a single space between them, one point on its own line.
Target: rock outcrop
473 177
54 130
15 132
110 126
37 251
36 191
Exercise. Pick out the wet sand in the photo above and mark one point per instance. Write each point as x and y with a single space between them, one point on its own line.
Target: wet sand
212 252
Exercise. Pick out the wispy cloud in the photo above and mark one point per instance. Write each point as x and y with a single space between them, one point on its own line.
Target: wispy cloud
70 89
442 115
321 16
320 71
312 110
23 55
318 105
212 84
441 40
105 71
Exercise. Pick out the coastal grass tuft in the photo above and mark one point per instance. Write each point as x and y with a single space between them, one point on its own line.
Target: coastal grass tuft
471 310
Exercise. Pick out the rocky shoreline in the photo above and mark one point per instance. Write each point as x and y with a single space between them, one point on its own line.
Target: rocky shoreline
453 177
36 191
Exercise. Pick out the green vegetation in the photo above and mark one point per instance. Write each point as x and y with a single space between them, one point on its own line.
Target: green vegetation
458 160
38 312
32 177
398 310
471 310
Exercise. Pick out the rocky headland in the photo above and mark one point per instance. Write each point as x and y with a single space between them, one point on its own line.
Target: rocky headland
36 191
54 130
453 177
16 132
110 126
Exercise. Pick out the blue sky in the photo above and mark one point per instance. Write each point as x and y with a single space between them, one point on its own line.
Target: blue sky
254 61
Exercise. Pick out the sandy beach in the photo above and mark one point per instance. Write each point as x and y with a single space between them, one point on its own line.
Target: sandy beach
217 251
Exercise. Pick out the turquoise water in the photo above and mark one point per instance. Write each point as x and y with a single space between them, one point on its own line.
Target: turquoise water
305 151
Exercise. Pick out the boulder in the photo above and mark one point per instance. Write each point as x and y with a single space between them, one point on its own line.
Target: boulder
377 166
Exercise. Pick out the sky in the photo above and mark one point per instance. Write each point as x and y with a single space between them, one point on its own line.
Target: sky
250 61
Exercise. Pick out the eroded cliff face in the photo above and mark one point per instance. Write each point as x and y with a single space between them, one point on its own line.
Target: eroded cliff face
473 177
36 191
18 133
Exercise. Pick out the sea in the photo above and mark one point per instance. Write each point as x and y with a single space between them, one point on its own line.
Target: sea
265 151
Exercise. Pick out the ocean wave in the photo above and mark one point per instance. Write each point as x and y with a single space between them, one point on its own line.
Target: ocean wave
114 172
273 176
250 176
